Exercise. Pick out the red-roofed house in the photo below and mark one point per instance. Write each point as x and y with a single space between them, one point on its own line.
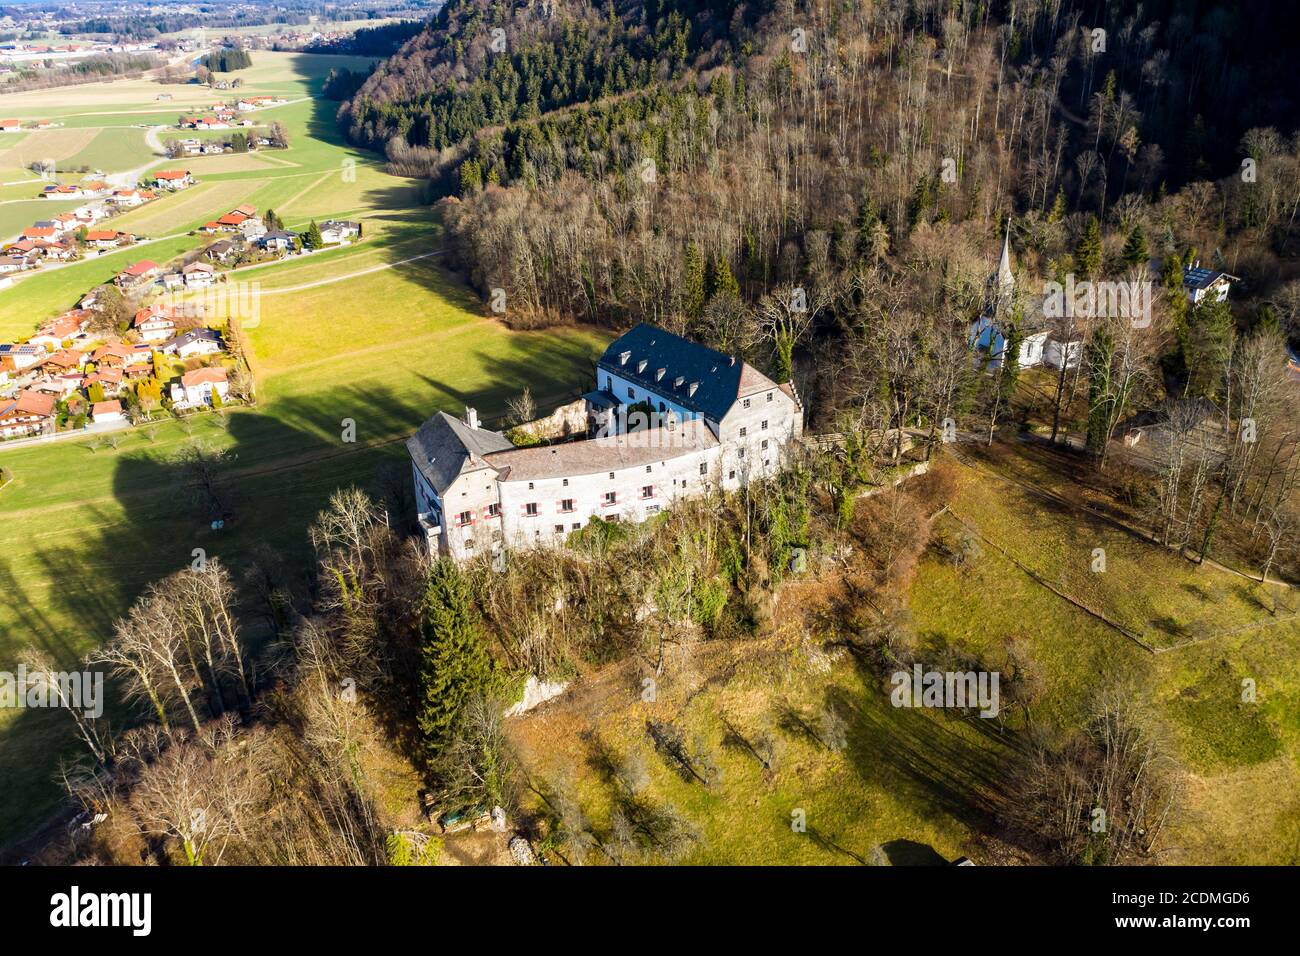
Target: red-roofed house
38 232
135 274
28 413
173 178
155 323
110 411
196 387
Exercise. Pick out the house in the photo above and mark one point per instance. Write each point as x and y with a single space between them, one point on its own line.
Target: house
278 241
126 198
244 209
10 264
155 323
223 250
211 228
109 411
109 379
252 229
334 231
192 343
111 355
138 273
198 275
107 238
20 357
197 387
60 191
39 232
1206 284
52 334
173 178
28 413
10 125
63 362
672 420
231 219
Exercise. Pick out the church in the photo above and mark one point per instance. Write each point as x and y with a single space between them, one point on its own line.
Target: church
668 419
1039 345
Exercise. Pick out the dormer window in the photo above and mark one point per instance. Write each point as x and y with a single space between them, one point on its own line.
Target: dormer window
694 386
660 374
623 357
640 366
677 382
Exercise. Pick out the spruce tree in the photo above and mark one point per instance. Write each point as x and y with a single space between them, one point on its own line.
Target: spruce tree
1087 254
1135 248
693 282
455 665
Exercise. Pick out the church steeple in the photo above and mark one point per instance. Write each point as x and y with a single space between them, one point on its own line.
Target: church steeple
1006 282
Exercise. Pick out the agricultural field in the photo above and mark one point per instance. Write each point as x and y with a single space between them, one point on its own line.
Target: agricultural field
355 333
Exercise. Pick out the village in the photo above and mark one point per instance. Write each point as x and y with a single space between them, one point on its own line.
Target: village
148 341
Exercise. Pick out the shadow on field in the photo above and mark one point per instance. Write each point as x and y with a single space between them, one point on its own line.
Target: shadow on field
939 768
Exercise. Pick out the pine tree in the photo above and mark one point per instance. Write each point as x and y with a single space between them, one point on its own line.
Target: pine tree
455 664
718 279
693 281
312 236
1087 254
1135 248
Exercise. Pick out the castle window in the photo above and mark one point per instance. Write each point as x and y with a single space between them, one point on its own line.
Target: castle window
763 427
764 444
464 518
611 497
744 403
577 525
731 475
743 431
631 392
704 468
530 509
566 482
530 486
648 491
611 476
566 504
647 469
559 529
769 396
494 511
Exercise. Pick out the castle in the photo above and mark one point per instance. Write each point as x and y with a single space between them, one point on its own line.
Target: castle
671 419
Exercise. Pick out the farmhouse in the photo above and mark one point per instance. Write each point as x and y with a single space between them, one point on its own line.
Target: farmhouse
278 241
672 420
198 275
29 413
173 178
107 238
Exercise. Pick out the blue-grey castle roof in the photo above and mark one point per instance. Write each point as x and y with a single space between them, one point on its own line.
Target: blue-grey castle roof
696 377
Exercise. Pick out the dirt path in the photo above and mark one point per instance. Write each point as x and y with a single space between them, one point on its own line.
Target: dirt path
350 275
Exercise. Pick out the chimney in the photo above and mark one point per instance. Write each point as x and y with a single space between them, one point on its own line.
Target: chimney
471 418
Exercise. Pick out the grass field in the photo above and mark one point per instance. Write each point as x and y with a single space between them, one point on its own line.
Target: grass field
84 529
